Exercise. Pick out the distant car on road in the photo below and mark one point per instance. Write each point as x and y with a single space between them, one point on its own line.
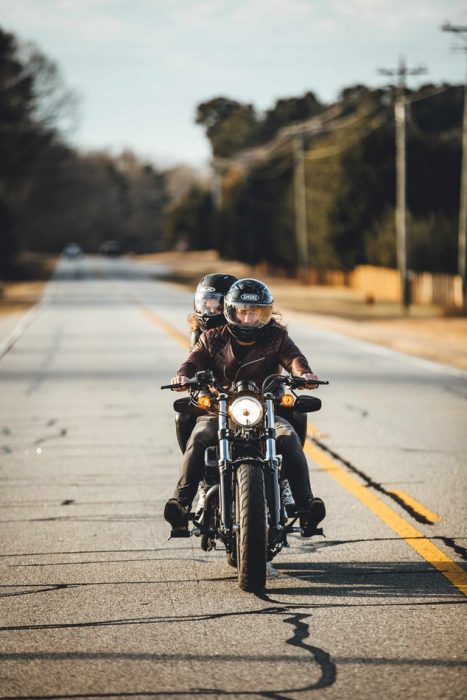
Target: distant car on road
72 251
110 248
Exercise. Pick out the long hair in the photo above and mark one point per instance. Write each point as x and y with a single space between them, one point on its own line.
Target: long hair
193 322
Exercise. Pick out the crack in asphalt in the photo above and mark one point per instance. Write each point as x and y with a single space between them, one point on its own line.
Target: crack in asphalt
60 434
289 613
448 541
374 484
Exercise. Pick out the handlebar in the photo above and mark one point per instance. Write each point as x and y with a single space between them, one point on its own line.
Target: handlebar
206 377
290 380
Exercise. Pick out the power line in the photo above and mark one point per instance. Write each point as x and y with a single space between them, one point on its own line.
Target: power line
432 93
330 151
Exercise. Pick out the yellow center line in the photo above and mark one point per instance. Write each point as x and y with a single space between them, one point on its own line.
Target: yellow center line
167 327
161 323
413 537
149 313
416 505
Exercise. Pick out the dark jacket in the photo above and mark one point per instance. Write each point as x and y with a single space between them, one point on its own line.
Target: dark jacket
273 350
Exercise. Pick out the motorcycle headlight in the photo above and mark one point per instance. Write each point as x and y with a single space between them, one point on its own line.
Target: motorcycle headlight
246 410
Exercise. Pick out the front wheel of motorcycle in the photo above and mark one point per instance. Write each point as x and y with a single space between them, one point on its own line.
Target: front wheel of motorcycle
252 534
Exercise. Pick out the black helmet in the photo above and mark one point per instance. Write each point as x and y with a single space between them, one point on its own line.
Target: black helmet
209 299
248 308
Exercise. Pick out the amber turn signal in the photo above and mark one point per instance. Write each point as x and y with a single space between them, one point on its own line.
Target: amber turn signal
287 400
204 402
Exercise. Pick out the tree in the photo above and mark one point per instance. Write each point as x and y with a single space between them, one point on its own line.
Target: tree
189 221
32 100
288 111
230 126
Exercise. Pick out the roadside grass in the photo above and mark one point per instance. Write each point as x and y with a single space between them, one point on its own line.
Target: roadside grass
27 280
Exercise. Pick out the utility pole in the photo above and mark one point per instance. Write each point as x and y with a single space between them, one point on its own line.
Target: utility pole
462 229
216 186
301 229
400 110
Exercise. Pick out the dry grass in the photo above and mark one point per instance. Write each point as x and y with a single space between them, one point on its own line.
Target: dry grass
32 271
16 297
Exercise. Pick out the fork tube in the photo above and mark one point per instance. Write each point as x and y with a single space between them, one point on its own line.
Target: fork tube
225 474
271 456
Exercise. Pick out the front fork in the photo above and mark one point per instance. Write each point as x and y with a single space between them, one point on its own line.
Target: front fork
225 471
271 472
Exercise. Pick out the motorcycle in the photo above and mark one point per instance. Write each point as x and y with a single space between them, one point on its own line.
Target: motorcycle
243 508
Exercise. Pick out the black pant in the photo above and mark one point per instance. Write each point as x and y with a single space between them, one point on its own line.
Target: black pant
294 464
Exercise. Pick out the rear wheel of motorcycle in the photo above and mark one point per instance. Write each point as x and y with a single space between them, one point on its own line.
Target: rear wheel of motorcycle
252 534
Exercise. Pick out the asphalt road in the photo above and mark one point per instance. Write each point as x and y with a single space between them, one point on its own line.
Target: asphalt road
96 602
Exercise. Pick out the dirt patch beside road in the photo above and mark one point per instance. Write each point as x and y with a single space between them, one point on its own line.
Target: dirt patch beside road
29 277
19 296
424 331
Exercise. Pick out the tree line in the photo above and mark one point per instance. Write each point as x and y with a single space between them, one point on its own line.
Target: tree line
350 181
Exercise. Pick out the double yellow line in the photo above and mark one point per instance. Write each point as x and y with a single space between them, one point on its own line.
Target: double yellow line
413 537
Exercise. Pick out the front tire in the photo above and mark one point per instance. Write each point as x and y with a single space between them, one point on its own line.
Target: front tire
252 534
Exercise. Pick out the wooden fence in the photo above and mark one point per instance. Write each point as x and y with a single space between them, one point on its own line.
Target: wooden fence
384 284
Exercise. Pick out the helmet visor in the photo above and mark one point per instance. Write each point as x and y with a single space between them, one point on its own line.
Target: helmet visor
247 316
208 303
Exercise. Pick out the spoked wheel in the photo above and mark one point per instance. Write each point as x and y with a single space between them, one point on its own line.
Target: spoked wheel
252 534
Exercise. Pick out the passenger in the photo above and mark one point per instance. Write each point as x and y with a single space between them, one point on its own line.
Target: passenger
209 304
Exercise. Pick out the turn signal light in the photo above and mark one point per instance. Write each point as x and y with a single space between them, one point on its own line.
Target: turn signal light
204 402
287 400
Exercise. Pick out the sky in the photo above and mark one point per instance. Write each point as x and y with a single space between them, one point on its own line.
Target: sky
140 67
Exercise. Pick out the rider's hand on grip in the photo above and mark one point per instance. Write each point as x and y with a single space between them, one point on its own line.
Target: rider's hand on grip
308 378
179 379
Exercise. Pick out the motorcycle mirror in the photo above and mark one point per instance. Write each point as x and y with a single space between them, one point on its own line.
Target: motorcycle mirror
307 404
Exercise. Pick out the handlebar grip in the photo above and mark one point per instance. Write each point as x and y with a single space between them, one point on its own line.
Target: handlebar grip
298 380
190 383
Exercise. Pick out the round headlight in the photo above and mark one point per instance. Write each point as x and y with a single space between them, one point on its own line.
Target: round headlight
246 410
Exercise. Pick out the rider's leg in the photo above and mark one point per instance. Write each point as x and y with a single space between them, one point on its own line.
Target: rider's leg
295 468
204 434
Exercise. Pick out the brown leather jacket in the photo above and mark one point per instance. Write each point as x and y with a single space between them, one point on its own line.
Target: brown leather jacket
273 350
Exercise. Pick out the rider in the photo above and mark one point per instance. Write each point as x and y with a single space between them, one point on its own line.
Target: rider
252 345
